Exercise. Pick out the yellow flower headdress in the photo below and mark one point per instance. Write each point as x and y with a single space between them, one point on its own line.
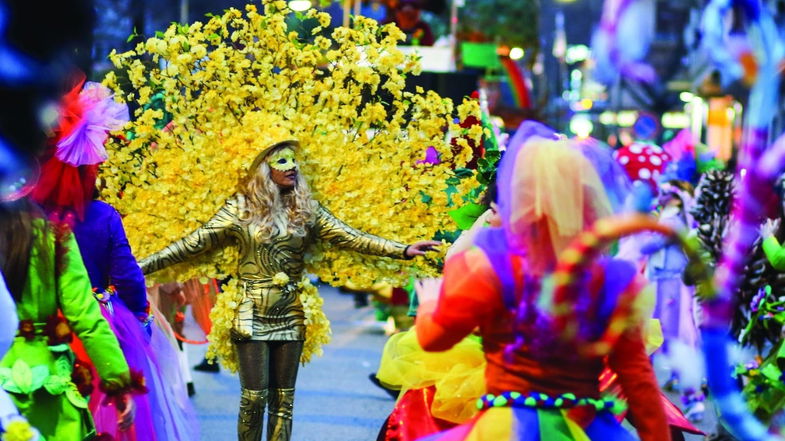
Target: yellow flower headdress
242 82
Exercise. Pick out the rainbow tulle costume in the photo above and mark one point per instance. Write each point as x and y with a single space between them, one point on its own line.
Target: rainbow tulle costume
545 350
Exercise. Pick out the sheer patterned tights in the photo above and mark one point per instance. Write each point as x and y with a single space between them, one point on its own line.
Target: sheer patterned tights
268 364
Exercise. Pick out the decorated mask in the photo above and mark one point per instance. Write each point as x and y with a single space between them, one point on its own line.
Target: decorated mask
282 160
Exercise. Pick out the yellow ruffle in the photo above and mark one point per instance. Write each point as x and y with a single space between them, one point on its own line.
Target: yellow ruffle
458 373
317 326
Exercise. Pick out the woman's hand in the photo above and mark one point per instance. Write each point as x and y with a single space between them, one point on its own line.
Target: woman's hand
428 290
125 417
420 248
769 228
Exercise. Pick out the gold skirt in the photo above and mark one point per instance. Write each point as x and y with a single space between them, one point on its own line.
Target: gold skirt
268 312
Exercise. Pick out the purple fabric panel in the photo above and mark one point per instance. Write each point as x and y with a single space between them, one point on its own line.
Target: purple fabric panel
606 427
164 413
525 131
133 342
614 178
526 424
492 242
107 255
618 276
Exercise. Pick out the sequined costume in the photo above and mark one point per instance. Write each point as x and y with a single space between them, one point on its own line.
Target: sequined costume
269 323
269 311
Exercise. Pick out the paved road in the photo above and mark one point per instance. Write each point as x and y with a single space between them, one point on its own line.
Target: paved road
334 400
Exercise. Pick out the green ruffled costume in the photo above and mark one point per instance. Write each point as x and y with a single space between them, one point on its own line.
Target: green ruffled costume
38 376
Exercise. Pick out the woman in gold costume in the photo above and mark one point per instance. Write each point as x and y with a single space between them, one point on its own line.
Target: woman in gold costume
273 220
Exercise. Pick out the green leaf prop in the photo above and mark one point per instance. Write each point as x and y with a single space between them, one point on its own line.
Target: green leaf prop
22 376
6 382
73 395
56 384
465 216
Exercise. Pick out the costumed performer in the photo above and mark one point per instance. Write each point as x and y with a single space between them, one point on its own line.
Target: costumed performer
65 190
674 306
437 390
548 194
51 290
274 221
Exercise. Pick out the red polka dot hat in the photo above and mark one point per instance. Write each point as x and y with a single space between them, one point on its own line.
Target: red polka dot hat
643 162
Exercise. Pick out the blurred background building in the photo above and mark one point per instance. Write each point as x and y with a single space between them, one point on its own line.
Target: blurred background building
532 57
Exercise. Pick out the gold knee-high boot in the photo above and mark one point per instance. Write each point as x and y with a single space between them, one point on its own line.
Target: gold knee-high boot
279 419
251 417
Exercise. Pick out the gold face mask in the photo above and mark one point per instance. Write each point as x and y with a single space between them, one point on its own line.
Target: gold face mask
282 160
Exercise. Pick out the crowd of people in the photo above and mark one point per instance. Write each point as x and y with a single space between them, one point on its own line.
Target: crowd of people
543 319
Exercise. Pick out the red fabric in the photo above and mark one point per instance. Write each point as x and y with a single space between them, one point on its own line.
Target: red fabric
64 186
70 109
399 297
636 377
471 298
411 418
61 185
201 297
676 419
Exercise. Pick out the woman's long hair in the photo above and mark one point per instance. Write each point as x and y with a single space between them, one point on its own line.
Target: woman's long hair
275 211
16 242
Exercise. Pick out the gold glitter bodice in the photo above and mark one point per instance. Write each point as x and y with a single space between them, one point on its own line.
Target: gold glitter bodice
268 311
260 258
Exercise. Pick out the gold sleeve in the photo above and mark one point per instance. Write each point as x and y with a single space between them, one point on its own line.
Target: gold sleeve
336 232
212 234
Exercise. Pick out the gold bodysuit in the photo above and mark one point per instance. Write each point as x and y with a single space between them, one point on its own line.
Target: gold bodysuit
269 310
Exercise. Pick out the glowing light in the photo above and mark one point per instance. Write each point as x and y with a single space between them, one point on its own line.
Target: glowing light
626 118
686 96
581 126
607 118
299 5
675 120
516 53
582 105
577 53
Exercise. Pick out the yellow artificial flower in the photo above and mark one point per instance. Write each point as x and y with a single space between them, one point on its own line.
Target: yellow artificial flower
280 279
18 430
239 81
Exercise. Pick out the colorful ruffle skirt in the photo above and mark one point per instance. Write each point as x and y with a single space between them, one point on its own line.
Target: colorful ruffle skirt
533 424
165 412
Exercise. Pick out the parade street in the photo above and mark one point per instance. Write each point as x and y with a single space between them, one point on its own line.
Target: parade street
335 400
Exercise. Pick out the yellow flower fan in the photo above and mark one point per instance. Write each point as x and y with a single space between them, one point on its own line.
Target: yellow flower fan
242 82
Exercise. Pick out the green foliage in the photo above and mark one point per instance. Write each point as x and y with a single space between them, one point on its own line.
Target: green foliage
518 25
